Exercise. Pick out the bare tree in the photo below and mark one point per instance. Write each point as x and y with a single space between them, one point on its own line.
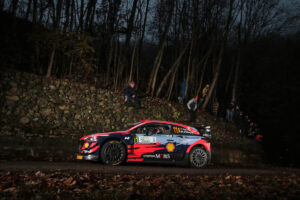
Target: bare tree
158 58
56 23
220 55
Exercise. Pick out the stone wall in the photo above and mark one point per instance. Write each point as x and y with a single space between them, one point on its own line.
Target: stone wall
37 102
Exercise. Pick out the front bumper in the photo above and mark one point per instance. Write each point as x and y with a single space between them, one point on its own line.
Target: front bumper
88 150
87 157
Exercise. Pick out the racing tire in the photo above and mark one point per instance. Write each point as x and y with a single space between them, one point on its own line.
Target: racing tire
198 157
113 153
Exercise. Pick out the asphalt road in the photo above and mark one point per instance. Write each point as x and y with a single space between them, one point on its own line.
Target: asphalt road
84 166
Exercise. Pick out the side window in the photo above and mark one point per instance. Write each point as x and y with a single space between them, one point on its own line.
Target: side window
138 130
150 129
159 129
181 131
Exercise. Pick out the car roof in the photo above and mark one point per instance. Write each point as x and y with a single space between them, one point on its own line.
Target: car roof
194 130
159 121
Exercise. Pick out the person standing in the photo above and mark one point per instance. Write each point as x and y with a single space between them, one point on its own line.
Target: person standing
229 111
205 90
192 107
130 93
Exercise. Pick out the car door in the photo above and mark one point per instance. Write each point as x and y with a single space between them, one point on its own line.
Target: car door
154 142
183 138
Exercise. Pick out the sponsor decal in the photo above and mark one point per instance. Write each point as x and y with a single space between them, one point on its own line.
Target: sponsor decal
86 145
157 156
166 156
144 140
149 156
178 130
170 147
127 138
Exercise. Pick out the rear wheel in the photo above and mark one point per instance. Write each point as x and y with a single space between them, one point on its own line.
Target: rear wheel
113 153
198 157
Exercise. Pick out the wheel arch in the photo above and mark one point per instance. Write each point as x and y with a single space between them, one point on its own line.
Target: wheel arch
110 139
201 143
204 148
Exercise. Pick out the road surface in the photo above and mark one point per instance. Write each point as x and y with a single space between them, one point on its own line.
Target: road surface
84 166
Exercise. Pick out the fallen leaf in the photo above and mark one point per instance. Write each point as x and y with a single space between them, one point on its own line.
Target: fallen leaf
70 181
11 189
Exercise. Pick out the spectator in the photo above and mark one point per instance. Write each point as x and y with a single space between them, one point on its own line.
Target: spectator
240 122
130 93
236 114
229 111
215 108
192 106
205 90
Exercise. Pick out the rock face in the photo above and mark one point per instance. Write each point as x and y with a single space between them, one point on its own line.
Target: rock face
24 120
62 103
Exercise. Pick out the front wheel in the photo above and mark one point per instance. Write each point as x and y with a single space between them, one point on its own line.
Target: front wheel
198 157
113 153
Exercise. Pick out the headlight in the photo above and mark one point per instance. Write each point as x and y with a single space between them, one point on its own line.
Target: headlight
92 138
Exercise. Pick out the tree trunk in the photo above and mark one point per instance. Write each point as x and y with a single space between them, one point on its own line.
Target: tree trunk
124 54
89 16
72 16
133 58
116 60
230 75
110 55
28 10
236 76
204 60
67 16
220 56
13 7
1 5
50 65
143 31
81 16
158 58
42 10
55 29
172 69
130 24
92 18
187 79
71 65
171 85
214 81
112 14
34 11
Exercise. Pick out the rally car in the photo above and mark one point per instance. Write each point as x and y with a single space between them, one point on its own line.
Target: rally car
148 141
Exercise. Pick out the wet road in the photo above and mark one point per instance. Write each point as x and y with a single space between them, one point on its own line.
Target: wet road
84 166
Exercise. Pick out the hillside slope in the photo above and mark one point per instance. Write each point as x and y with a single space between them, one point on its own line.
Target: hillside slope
54 109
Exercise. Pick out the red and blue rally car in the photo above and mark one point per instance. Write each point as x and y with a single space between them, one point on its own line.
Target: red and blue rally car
148 141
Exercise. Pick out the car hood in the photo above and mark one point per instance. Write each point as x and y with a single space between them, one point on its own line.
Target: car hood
104 134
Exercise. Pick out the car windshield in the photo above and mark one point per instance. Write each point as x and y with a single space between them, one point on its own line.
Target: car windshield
195 129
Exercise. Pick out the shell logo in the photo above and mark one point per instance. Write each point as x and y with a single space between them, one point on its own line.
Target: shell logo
86 145
170 147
